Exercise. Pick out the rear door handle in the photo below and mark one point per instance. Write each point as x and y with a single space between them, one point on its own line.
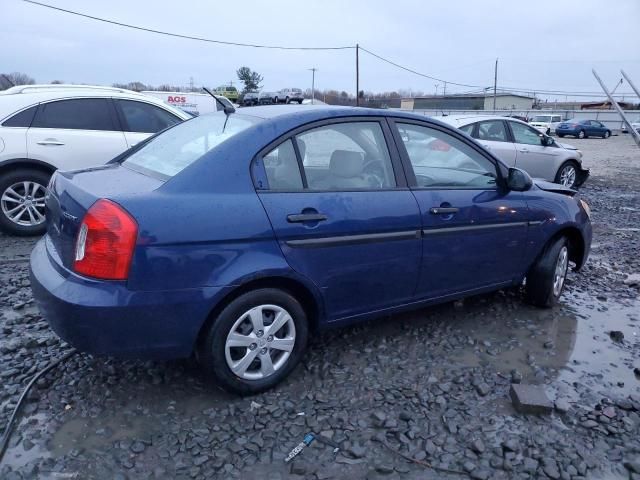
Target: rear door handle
443 210
524 150
306 217
50 141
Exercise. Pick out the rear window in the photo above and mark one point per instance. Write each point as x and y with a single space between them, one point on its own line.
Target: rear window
177 148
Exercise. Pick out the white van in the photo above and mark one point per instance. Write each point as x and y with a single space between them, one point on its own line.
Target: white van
546 123
192 103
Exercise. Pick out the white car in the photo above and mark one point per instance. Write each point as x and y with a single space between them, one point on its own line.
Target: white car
44 128
519 145
546 123
635 124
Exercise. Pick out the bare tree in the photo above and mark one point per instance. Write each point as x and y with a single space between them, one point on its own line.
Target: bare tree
15 78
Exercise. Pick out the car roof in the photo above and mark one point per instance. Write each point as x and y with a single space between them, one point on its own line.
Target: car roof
462 120
310 113
16 98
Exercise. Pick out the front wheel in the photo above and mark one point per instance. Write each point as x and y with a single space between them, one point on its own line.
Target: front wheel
22 195
255 341
275 100
567 174
561 135
286 100
607 134
546 279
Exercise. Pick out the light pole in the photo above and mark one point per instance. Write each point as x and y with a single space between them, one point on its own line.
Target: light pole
313 84
437 85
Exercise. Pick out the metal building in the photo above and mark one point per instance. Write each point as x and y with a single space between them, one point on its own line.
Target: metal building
481 101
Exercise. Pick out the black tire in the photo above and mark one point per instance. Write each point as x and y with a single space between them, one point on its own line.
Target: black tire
275 100
15 177
539 290
561 135
300 102
559 173
606 135
286 100
581 134
211 349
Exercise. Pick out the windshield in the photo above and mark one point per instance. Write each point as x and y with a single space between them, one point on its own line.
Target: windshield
180 146
542 118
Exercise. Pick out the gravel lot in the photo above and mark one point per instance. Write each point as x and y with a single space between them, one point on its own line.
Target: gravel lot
431 385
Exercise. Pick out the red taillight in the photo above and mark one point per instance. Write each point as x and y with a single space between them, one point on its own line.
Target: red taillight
105 242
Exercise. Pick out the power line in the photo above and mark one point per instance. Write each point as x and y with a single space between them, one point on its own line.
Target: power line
415 72
177 35
501 87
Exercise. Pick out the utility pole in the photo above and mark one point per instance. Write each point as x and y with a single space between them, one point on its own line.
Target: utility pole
191 84
357 75
630 83
444 91
632 131
437 85
495 85
313 84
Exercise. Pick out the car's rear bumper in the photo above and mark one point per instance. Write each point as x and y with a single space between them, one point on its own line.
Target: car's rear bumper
106 318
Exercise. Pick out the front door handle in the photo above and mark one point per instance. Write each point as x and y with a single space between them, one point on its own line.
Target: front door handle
306 217
443 210
524 150
50 141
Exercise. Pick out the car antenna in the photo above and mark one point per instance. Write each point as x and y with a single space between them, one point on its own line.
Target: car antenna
225 108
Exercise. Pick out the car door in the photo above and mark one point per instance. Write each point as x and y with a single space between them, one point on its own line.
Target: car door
141 119
494 136
75 133
598 128
474 232
533 157
343 216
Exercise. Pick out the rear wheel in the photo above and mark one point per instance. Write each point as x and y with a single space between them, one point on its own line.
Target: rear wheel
286 100
581 134
545 281
22 201
275 99
561 135
255 341
567 174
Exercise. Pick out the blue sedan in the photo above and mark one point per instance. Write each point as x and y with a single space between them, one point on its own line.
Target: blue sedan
236 236
583 129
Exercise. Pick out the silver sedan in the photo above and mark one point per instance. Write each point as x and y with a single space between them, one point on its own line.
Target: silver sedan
519 145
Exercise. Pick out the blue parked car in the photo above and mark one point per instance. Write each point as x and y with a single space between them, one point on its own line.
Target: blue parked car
583 129
236 236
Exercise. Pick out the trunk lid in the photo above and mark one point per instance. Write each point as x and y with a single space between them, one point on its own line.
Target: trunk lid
71 194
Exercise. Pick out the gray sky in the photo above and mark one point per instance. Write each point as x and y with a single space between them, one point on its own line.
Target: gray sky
546 44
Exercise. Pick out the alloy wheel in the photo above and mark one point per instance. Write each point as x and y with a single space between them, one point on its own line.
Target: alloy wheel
568 176
560 272
23 203
260 342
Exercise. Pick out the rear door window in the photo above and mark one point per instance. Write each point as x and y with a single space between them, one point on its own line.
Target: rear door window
141 117
493 130
346 156
76 114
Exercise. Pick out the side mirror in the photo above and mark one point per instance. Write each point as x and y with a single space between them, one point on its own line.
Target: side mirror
519 180
545 140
